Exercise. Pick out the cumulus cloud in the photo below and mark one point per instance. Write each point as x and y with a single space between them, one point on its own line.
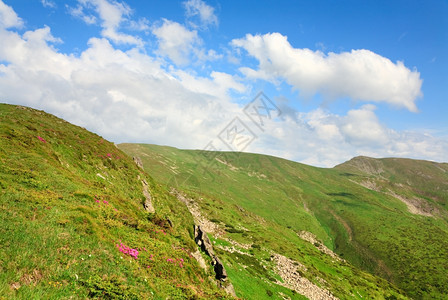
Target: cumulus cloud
8 17
204 12
361 128
360 74
216 85
132 96
322 138
112 15
176 41
180 44
122 95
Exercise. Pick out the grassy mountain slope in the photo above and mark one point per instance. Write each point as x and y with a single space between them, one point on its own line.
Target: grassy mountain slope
266 202
425 183
72 219
345 208
419 244
73 223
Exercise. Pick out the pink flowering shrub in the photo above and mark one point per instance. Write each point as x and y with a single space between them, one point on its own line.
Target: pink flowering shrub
97 200
41 139
127 250
179 261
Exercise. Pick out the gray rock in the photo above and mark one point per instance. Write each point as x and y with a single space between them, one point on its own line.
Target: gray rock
147 205
220 271
203 241
201 238
138 161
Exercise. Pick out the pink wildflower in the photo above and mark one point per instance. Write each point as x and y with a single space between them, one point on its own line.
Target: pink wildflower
127 250
41 139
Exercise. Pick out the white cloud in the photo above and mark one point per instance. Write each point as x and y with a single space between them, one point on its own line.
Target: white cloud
78 12
361 127
181 45
8 17
198 8
216 85
324 139
34 51
131 96
112 14
360 74
203 55
122 95
139 25
48 3
176 41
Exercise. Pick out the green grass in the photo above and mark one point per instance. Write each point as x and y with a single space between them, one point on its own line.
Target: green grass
67 198
271 198
372 230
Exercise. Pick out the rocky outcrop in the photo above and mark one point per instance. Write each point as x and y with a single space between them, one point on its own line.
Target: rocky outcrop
203 241
201 238
220 271
138 162
198 256
311 238
201 227
199 219
290 272
415 205
147 205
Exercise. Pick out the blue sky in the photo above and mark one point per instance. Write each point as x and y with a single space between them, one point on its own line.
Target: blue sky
347 78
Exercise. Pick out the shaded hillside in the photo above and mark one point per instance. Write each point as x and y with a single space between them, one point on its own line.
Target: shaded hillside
73 223
271 204
422 184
